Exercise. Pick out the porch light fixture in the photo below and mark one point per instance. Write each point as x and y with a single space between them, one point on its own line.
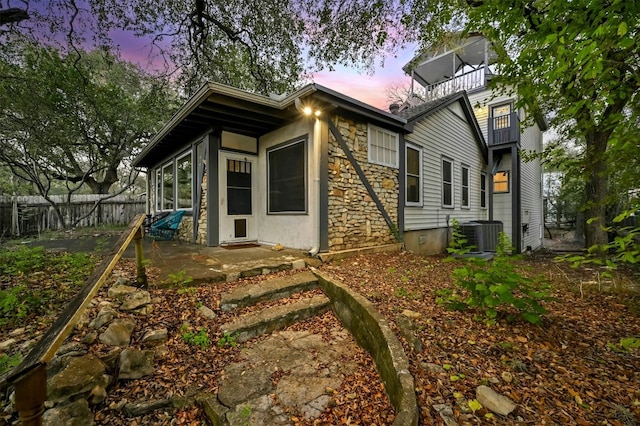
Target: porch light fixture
307 110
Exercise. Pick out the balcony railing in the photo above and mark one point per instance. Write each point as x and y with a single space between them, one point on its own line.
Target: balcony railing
504 129
475 79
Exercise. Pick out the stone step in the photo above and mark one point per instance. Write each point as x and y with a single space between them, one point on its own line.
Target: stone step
275 318
276 288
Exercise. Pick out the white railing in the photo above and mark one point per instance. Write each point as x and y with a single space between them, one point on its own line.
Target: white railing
468 81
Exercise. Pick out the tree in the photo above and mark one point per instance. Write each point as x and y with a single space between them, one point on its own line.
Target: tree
257 45
76 120
581 60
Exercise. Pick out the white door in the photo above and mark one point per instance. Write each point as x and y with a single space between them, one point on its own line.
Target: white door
237 198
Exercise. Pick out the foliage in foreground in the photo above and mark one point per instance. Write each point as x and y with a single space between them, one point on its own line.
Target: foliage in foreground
623 249
31 279
492 285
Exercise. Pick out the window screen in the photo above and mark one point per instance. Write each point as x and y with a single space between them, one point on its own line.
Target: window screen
286 180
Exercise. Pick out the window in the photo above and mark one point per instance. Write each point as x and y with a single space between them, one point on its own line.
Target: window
464 202
158 189
167 187
413 181
501 116
383 146
447 182
238 187
287 186
501 182
185 187
483 190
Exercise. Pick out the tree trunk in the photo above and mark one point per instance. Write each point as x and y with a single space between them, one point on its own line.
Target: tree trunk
596 186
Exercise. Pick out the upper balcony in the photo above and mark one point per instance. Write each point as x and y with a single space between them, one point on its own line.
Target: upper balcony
463 65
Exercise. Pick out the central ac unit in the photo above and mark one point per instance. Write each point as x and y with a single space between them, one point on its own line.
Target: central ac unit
482 235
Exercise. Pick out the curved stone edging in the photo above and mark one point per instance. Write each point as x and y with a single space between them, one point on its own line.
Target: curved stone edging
371 330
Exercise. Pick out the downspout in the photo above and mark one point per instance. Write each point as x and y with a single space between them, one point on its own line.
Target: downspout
317 161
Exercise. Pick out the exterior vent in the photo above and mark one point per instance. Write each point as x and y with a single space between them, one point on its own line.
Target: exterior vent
482 235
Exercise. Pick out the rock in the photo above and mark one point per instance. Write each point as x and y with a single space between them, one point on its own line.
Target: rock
155 337
207 312
432 368
493 401
143 310
76 413
80 375
298 264
89 338
105 316
314 409
17 332
446 413
241 383
214 411
7 344
98 395
118 291
135 364
135 300
507 377
83 322
123 281
135 409
297 391
405 324
118 333
161 351
411 314
111 358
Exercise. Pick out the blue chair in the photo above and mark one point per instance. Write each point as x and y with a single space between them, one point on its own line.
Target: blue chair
164 229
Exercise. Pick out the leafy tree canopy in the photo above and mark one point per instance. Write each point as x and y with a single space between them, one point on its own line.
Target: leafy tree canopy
76 119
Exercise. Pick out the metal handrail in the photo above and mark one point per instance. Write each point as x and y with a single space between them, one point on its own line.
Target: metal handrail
29 378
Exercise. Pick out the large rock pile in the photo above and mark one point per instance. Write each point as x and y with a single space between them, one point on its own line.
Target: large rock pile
77 380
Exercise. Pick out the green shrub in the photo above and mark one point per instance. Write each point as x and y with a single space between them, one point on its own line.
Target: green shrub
492 284
7 362
200 338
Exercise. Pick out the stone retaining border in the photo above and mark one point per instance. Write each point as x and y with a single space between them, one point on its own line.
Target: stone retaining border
371 330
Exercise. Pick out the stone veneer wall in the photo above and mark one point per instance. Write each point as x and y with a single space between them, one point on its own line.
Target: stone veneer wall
354 219
185 231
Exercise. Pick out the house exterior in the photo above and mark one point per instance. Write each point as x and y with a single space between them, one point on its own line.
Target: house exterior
319 171
315 170
506 189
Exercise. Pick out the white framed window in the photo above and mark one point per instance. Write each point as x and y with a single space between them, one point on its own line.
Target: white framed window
158 191
184 181
413 179
167 186
447 182
287 178
464 187
382 146
483 190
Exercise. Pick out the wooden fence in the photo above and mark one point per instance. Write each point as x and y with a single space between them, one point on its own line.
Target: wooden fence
30 215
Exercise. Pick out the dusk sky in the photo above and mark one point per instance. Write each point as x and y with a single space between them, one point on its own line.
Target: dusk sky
370 89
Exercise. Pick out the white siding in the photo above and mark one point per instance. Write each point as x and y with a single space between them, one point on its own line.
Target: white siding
445 134
531 186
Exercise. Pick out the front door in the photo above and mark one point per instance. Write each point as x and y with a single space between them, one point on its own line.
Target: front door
237 205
